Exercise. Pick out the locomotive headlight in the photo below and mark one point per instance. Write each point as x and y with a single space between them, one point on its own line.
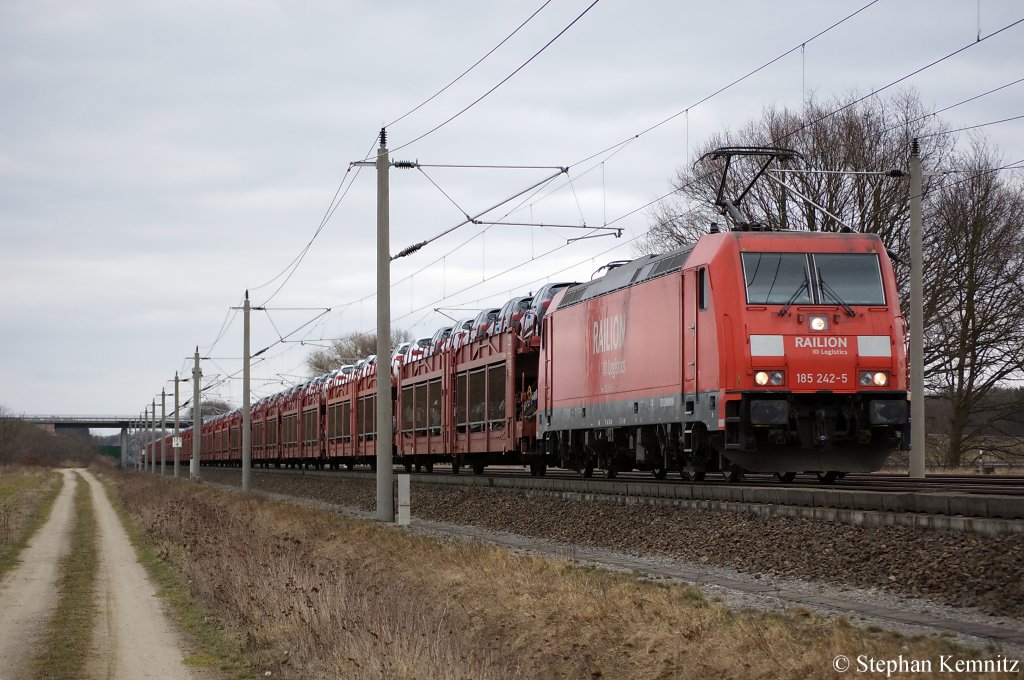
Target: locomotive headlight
770 377
818 322
874 378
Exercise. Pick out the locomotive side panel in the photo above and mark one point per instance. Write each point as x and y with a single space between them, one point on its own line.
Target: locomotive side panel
615 360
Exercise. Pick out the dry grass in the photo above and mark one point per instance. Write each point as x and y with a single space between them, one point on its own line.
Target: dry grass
309 594
26 497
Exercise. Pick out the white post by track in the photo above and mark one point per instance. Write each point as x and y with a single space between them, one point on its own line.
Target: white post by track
404 500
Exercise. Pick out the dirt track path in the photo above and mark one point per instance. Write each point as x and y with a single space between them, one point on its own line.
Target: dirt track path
133 636
28 594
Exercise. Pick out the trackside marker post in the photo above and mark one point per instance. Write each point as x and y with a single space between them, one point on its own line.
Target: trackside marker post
404 500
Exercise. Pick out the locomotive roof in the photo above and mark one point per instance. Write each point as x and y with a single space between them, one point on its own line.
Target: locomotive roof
653 266
642 269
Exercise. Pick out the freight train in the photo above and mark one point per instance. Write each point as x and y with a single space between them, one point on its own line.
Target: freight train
752 350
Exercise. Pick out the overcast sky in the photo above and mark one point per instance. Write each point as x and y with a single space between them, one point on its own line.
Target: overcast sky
159 158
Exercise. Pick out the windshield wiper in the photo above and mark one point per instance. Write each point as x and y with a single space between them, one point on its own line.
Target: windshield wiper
792 298
835 296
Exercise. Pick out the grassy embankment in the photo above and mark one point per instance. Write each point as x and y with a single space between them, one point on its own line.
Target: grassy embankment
64 650
207 642
26 498
310 594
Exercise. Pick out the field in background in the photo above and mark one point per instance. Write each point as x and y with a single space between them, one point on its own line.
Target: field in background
311 594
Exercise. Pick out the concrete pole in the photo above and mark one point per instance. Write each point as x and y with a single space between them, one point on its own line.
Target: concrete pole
177 426
152 437
197 419
246 406
918 444
150 448
163 431
385 470
124 448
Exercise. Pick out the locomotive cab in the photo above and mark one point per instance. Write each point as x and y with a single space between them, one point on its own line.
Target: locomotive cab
823 385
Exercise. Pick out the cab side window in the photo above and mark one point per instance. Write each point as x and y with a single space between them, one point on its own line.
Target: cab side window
703 289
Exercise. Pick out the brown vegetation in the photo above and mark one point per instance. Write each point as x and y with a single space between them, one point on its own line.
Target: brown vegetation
24 443
310 594
26 496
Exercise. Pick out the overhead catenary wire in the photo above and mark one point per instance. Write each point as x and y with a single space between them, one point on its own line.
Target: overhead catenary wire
631 139
899 80
466 72
501 82
953 106
969 127
618 147
727 87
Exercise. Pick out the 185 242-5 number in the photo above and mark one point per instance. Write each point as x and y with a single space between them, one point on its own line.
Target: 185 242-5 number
822 378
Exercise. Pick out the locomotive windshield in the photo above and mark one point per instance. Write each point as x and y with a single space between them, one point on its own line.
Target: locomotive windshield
854 279
839 278
774 278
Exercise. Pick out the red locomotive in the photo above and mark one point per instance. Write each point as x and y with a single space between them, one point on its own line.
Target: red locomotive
762 351
753 350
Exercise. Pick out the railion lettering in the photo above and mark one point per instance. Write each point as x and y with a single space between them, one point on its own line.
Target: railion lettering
609 334
820 342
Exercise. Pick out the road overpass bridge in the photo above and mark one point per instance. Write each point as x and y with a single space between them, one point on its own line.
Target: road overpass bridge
55 423
99 422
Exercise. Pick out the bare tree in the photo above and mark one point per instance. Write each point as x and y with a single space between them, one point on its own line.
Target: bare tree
211 408
975 311
871 136
349 349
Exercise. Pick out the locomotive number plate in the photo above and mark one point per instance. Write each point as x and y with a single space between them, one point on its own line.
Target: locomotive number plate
822 379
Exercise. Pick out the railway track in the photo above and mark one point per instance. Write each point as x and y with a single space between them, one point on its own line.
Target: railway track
942 502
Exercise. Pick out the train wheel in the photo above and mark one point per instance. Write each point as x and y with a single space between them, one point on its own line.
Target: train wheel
430 466
785 477
588 470
478 468
419 467
456 464
693 475
829 477
733 474
660 473
408 466
611 472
